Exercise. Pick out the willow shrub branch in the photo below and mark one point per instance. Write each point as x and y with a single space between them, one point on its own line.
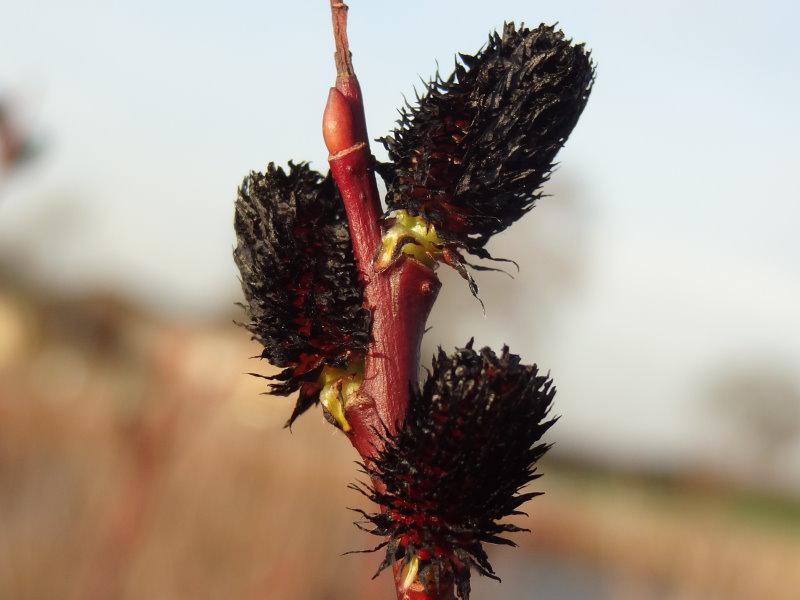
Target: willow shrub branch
338 292
392 356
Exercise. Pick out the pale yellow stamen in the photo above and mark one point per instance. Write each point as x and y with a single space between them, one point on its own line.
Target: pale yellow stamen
409 574
428 246
337 386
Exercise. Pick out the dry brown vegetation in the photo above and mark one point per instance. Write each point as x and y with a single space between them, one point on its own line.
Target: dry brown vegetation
137 461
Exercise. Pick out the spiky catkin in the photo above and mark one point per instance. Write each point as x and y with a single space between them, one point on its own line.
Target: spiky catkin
472 155
468 447
303 296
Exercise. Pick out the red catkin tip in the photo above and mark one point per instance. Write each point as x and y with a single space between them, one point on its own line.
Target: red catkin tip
338 126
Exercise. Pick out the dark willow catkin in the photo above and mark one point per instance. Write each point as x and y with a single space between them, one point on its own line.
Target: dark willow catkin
472 155
295 257
466 162
457 467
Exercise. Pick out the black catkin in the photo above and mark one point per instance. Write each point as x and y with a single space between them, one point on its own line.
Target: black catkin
472 155
457 467
303 296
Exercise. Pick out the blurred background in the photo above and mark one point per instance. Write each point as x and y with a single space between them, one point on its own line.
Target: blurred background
659 284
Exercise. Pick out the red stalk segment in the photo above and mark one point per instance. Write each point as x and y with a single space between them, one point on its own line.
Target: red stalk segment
417 592
400 298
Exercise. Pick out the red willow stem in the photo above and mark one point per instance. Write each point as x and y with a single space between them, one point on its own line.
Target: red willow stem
399 298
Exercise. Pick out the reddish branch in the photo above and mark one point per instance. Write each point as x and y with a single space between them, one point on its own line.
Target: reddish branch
399 298
12 143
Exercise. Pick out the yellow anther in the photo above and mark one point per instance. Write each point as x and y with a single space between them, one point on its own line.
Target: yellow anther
417 237
337 386
409 573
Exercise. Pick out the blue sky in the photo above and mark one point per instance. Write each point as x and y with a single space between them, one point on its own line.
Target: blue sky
685 160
